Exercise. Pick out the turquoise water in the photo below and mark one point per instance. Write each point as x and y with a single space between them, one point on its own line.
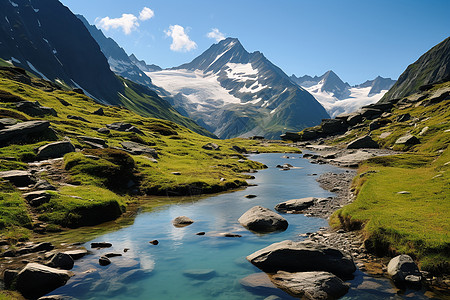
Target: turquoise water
161 266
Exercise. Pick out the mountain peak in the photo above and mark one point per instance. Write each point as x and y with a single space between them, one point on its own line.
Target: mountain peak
331 83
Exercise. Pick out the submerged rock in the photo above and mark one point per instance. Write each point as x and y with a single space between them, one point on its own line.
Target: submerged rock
261 219
260 283
296 205
200 274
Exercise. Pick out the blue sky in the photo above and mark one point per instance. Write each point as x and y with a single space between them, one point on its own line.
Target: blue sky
357 39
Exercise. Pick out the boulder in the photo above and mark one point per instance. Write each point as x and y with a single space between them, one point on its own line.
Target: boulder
44 185
139 149
55 150
93 140
375 124
310 285
291 136
370 113
103 130
402 266
182 221
363 142
104 261
78 118
200 274
22 130
99 112
34 109
354 119
261 219
61 261
9 276
211 146
37 198
18 177
403 117
121 126
5 122
331 126
45 246
76 254
296 205
407 139
302 256
385 134
36 280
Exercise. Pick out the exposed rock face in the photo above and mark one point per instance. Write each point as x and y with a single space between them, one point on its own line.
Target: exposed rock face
54 150
35 109
402 266
363 142
261 219
121 126
330 126
407 139
290 136
311 285
36 280
17 177
20 131
303 256
138 149
182 221
296 205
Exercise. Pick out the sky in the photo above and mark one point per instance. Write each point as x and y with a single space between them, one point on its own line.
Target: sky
358 40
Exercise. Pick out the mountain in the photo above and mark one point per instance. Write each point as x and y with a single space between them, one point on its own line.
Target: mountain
118 59
432 67
338 97
141 64
236 93
48 40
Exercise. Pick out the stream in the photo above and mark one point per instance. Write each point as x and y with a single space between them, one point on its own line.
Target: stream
188 266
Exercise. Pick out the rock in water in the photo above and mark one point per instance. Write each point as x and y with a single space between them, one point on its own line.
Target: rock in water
260 283
296 205
61 261
402 266
302 256
311 285
36 280
261 219
200 274
182 221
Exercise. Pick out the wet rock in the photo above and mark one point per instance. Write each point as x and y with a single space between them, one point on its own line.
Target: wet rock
182 221
104 261
76 254
101 245
36 280
54 150
139 149
407 139
260 283
231 235
402 266
250 196
18 178
296 205
311 285
363 142
154 242
261 219
61 261
45 246
302 256
200 233
200 274
211 146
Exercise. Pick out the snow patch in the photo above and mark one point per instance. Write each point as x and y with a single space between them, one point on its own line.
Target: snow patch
87 93
254 88
45 40
13 3
36 9
36 71
16 60
6 18
39 23
241 72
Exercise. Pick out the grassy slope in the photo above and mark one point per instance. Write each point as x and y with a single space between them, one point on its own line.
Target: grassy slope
179 149
417 223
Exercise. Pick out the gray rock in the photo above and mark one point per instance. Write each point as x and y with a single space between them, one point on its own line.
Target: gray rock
103 130
17 177
291 136
407 139
385 134
200 274
5 122
44 185
43 197
302 256
370 113
138 149
354 119
330 126
54 150
20 131
78 118
239 149
9 276
36 280
363 142
295 204
402 266
182 221
35 109
61 261
94 140
424 130
45 246
76 254
56 297
261 219
311 285
211 146
121 126
403 117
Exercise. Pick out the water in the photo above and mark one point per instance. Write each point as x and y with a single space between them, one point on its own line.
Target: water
161 266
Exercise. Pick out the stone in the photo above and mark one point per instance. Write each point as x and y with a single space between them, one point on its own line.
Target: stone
36 280
375 124
211 146
9 276
111 254
43 197
311 285
370 113
44 185
424 130
45 246
99 112
133 275
261 219
309 134
18 178
239 149
291 136
5 122
200 274
354 119
295 204
363 142
139 149
302 256
182 221
385 134
61 261
104 261
231 235
250 196
259 283
76 254
330 126
121 126
78 118
93 140
154 242
34 109
103 130
175 173
20 131
407 139
200 233
101 245
55 150
403 117
402 266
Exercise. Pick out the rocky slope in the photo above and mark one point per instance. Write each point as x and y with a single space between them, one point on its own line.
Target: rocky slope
236 93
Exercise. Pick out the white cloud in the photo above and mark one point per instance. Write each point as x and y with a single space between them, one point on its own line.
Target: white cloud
216 34
146 14
180 40
127 22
